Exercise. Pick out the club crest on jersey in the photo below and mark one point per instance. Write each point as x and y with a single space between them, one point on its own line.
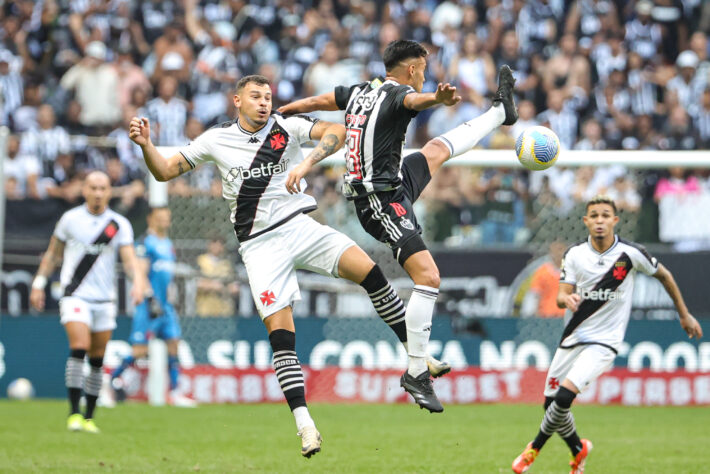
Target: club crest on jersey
406 223
277 141
266 169
620 270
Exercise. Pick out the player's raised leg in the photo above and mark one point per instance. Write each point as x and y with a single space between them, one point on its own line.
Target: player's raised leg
282 336
464 137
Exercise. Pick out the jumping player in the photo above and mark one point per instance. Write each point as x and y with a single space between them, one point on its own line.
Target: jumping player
254 154
383 187
156 316
596 286
86 238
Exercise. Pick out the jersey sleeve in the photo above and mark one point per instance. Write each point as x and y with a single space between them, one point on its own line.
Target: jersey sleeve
643 261
61 230
197 151
125 233
342 96
399 94
568 270
300 126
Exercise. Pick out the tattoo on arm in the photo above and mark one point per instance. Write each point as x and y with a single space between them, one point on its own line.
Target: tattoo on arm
180 170
326 147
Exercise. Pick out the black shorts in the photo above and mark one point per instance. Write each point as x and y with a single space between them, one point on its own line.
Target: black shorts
389 216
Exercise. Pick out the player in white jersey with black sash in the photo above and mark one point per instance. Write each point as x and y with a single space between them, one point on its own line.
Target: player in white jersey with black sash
87 239
596 288
254 155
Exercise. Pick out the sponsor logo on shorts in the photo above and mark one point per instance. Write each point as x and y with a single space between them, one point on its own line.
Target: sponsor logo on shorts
267 298
553 383
600 295
407 224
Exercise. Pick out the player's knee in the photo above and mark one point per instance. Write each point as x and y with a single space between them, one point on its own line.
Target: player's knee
77 353
282 340
436 151
564 397
548 402
429 277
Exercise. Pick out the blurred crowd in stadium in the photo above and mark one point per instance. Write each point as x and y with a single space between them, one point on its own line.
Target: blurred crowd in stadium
604 74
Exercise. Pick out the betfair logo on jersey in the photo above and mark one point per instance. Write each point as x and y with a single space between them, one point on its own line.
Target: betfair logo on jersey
93 249
266 169
600 295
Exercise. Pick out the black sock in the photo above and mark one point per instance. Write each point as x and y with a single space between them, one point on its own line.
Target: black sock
92 385
74 398
90 406
574 443
288 368
386 302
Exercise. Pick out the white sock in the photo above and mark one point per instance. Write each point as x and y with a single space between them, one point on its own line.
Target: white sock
303 418
468 134
420 310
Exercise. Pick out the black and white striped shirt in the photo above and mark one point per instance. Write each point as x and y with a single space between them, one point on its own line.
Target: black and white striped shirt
12 93
376 121
168 120
46 145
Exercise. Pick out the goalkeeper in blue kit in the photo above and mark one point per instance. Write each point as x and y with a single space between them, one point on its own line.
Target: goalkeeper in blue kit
156 317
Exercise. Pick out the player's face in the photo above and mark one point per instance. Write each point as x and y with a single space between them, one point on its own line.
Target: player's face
254 104
417 68
97 192
160 220
600 220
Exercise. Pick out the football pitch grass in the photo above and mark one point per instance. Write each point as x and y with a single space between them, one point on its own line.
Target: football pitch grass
357 438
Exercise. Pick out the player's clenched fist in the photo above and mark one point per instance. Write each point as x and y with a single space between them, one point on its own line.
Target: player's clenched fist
139 131
572 302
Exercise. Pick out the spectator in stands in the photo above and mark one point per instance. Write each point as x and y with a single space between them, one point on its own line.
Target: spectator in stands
503 208
686 87
25 116
560 117
623 192
567 70
702 119
326 74
678 133
216 288
173 54
526 118
11 86
544 283
167 114
130 76
474 71
95 84
124 186
643 35
21 171
593 140
47 141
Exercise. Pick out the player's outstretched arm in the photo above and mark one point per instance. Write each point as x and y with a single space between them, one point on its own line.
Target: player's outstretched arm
50 260
332 137
689 324
134 271
310 104
567 298
163 169
445 94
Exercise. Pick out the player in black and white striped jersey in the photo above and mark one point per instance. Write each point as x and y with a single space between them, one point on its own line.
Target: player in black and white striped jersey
596 287
254 155
383 186
11 87
86 240
168 114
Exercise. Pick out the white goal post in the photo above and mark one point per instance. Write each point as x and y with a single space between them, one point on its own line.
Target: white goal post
574 158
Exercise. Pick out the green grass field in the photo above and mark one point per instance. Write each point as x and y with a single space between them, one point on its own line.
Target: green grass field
357 438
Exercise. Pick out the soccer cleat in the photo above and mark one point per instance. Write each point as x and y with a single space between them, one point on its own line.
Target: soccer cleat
179 400
578 461
422 390
504 94
523 462
90 427
436 367
75 422
310 441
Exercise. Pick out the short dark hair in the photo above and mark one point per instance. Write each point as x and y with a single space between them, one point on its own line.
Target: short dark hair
601 199
399 50
255 78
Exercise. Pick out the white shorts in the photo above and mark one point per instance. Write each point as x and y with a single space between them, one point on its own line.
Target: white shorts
581 365
98 316
272 259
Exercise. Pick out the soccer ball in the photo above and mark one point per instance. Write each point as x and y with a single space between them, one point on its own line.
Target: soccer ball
20 389
537 148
